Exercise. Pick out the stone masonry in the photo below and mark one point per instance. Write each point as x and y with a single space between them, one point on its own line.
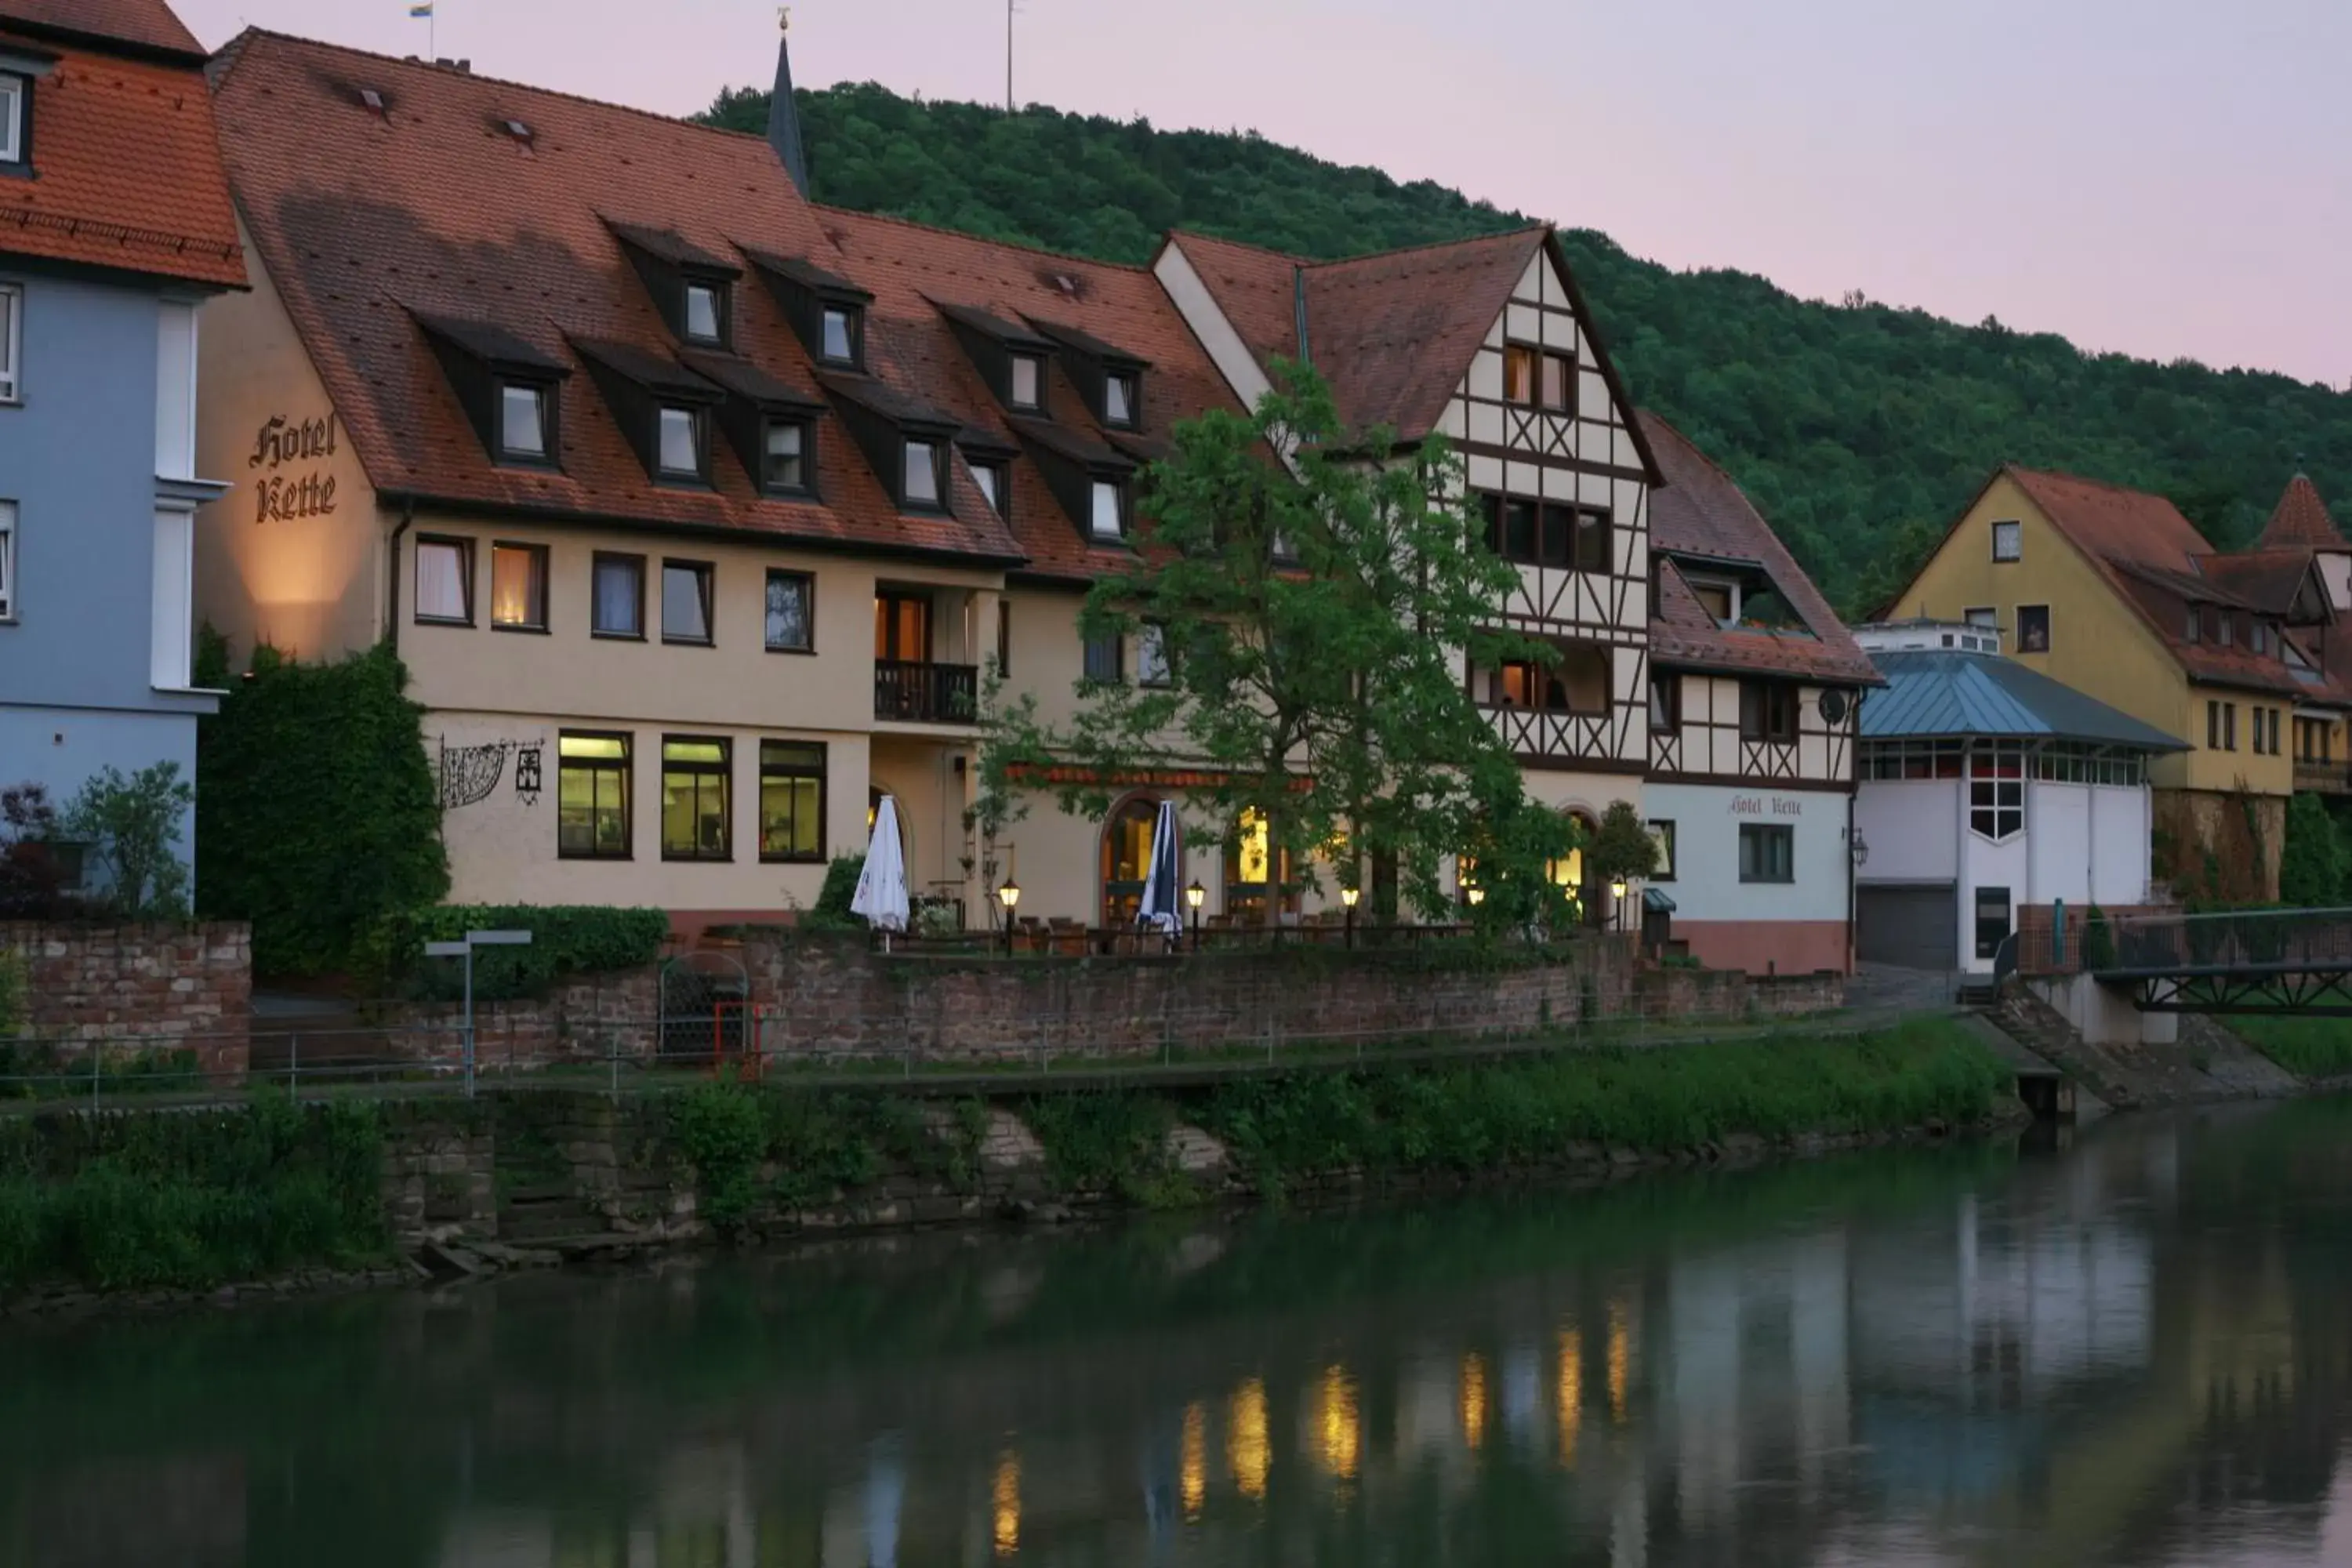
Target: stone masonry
139 986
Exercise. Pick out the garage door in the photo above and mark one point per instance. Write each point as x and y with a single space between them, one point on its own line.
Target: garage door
1918 928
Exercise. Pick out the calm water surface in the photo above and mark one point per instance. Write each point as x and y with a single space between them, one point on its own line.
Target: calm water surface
2136 1348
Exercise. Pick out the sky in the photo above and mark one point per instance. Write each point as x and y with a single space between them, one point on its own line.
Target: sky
2166 178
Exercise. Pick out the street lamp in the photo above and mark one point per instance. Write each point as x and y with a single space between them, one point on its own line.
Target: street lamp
1476 894
1195 896
1009 896
465 950
1617 900
1347 896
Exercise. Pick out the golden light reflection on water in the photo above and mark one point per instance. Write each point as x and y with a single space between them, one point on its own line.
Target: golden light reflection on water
1621 1359
1339 1428
1572 1392
1247 1448
1007 1492
1192 1475
1474 1399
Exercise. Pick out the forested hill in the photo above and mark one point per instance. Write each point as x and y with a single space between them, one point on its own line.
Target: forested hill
1860 429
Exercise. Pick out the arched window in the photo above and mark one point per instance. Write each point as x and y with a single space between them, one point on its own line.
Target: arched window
1256 871
1126 858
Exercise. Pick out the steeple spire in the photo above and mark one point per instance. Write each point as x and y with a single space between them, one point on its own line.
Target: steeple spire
784 115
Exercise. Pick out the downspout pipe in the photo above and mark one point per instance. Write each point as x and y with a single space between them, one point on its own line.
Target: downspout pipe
392 574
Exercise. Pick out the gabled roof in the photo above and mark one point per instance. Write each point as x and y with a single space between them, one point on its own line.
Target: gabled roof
2269 580
1702 512
432 205
1934 694
2300 520
1255 288
2113 522
126 170
148 26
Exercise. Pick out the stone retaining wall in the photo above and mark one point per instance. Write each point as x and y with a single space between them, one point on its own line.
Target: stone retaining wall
168 984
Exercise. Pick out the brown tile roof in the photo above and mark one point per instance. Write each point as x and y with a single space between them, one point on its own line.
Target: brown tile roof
2268 580
2112 522
2300 520
142 24
127 173
1702 512
917 273
1254 288
433 208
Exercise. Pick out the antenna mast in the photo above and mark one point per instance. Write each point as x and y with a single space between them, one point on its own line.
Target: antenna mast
1008 55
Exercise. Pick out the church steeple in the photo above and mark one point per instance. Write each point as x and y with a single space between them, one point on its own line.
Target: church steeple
784 115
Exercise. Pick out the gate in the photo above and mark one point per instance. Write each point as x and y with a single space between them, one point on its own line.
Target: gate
702 1008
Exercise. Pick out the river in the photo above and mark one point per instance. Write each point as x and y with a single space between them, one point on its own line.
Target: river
2131 1349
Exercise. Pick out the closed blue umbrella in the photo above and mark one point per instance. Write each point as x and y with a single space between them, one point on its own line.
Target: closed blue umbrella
1158 910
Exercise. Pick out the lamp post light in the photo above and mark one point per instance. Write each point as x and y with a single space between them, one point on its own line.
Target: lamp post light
1347 896
1009 896
1617 890
1195 896
1475 895
465 950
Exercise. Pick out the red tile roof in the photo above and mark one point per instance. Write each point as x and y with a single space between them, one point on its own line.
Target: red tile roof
1254 288
1702 512
2300 520
2267 579
127 172
433 208
142 24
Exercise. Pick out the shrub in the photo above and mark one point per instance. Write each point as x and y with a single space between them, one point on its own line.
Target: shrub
566 939
832 900
132 828
2099 941
32 881
2311 864
317 813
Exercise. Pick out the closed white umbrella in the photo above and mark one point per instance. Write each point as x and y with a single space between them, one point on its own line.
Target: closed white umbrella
1157 910
881 896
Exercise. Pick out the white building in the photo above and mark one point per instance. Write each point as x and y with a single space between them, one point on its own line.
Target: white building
1986 789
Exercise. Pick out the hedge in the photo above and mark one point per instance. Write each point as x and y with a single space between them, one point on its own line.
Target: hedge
566 939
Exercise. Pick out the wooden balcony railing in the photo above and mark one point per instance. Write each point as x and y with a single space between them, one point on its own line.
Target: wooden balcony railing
917 693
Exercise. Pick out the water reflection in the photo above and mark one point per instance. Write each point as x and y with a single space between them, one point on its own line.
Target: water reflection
2132 1353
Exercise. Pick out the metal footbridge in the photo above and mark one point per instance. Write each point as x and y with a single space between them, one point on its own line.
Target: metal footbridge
2242 960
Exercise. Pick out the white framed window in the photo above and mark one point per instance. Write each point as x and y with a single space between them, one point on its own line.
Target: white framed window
787 456
7 561
922 474
1109 519
1151 665
12 117
681 444
837 334
523 421
703 313
445 581
1118 400
1028 381
12 341
2008 541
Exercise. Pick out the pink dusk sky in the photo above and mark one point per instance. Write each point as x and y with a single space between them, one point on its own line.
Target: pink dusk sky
2164 177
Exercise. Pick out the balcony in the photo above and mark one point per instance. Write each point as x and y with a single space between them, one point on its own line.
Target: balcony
2321 778
909 692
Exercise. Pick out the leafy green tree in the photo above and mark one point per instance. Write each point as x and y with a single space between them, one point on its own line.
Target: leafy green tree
1623 848
1296 631
2311 863
131 826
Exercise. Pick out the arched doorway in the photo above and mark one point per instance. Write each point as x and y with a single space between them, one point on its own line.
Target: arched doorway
1259 886
1126 858
1573 872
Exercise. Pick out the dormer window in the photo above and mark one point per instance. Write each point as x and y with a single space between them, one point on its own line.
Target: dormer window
786 457
706 313
842 324
523 421
681 444
688 284
827 312
21 64
1108 519
925 480
1119 397
1028 377
995 482
14 91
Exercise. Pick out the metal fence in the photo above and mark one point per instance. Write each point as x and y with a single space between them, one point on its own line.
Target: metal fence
2233 938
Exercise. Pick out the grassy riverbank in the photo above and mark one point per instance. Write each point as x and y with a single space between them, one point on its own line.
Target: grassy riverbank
2310 1048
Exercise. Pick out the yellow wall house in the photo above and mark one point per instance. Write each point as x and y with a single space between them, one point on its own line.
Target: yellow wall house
2114 592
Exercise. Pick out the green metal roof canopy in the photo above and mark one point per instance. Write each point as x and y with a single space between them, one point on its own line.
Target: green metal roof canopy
1931 694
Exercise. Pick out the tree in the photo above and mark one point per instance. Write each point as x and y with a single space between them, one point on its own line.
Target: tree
32 881
1297 630
1624 849
131 827
2310 862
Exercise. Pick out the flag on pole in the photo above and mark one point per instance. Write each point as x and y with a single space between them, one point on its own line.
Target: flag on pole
423 10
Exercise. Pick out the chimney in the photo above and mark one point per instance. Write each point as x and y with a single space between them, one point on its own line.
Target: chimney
784 115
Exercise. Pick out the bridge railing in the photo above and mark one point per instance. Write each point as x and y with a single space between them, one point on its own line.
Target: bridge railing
2230 939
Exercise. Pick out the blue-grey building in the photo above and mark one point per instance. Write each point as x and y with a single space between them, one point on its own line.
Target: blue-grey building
116 225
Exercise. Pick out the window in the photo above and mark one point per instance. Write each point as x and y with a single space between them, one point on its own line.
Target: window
12 119
681 444
1663 833
902 627
1666 703
445 581
1768 710
2229 726
705 314
1592 553
792 800
2008 541
694 798
1718 599
792 612
2274 731
2229 628
591 797
2033 629
618 596
995 482
11 332
1996 792
1003 638
1255 868
1119 398
1028 389
922 481
1983 615
518 587
686 602
7 561
1102 660
1768 852
1514 528
1151 665
1518 373
2190 628
523 421
1109 519
2212 726
838 332
1992 921
784 456
1559 384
